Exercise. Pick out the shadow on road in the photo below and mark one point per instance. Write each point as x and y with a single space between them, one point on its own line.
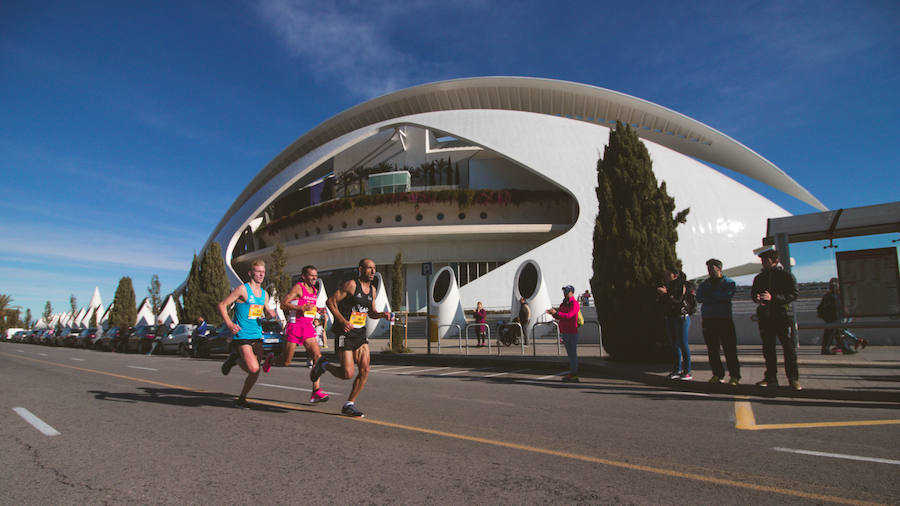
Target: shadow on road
179 397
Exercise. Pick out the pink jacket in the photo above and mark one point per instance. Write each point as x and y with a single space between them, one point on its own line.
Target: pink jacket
567 315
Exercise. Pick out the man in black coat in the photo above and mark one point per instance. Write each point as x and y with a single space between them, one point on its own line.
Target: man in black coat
774 289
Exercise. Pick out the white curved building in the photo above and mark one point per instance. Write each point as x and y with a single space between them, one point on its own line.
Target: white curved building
516 172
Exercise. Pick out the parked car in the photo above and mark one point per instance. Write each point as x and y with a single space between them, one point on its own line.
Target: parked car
108 340
68 338
219 339
178 340
86 338
46 337
9 333
140 339
19 337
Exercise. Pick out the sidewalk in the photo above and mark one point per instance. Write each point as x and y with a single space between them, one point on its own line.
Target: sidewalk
873 374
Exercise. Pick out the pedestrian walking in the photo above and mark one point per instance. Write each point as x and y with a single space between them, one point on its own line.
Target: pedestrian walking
774 289
567 316
715 294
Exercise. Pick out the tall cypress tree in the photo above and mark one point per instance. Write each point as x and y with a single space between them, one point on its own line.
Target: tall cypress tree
634 241
124 312
214 284
277 280
48 312
191 292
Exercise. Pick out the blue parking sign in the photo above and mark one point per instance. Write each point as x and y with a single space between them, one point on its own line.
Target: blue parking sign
426 268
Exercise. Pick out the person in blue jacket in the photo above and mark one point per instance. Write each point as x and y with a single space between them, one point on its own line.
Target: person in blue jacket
715 294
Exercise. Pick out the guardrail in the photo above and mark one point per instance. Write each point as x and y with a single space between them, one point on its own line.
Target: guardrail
521 333
486 326
458 334
534 337
599 333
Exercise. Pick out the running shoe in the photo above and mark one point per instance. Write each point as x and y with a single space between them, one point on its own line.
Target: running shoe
570 378
686 377
716 380
229 363
241 403
673 376
795 385
734 381
766 383
319 396
350 410
270 357
318 370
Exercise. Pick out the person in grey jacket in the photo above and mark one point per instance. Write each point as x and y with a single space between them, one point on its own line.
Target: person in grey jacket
715 294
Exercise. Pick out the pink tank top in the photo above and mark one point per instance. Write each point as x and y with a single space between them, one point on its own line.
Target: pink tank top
304 318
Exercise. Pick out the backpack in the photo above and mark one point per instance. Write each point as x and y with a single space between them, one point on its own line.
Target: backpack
826 308
690 298
580 319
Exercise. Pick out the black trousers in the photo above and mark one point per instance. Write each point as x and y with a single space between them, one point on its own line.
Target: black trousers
779 328
719 332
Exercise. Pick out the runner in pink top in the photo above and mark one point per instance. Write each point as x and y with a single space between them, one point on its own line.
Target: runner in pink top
301 311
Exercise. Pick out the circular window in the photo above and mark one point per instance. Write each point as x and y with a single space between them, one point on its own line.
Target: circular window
440 216
441 286
359 222
462 216
528 280
483 215
330 227
398 218
418 217
378 219
343 224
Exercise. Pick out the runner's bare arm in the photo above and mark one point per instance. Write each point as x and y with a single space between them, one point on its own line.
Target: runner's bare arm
239 293
338 295
293 294
271 312
376 314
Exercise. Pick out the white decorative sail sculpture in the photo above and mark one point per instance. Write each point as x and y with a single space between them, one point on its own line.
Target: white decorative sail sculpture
321 297
168 315
529 283
446 308
377 327
145 314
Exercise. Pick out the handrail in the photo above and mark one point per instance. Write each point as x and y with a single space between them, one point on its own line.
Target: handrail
458 334
534 341
487 326
521 332
599 333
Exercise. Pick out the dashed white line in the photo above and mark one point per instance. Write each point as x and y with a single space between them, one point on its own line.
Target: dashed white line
838 456
36 422
422 370
21 351
393 368
78 359
451 373
505 373
42 354
144 368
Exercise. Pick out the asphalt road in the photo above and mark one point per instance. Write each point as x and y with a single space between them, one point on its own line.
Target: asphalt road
137 429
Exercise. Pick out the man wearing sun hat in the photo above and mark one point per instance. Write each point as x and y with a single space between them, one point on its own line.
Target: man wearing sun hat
774 289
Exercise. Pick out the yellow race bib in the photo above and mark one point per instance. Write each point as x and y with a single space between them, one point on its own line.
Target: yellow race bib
312 313
358 319
256 311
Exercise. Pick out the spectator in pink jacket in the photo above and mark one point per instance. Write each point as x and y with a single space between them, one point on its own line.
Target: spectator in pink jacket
567 317
481 317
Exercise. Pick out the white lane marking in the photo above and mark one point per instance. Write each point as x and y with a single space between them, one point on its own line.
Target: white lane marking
393 368
21 351
505 373
78 359
144 368
36 422
465 370
42 354
552 375
422 370
295 388
838 456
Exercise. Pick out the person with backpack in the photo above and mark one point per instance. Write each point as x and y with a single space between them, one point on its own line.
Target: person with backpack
715 294
676 300
567 317
829 311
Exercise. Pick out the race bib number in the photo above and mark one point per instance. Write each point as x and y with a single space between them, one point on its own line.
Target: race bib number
312 313
256 311
358 319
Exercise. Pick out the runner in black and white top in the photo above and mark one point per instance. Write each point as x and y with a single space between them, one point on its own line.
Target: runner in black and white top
351 305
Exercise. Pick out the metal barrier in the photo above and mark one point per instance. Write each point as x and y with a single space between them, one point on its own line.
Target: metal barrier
599 334
534 338
486 326
521 333
458 335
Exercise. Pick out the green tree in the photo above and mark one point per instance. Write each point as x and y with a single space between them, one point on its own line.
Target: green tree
48 312
634 241
277 280
124 311
214 284
27 321
153 291
191 292
73 302
397 288
5 301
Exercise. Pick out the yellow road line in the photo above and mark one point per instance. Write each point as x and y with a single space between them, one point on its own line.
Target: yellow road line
744 420
514 446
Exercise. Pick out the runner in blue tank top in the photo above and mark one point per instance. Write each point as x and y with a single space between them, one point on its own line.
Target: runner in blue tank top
251 302
351 304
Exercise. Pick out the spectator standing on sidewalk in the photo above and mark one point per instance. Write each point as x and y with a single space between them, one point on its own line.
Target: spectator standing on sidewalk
524 317
715 294
774 289
678 321
481 318
829 310
567 316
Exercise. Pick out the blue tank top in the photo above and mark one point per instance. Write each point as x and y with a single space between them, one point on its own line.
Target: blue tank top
247 314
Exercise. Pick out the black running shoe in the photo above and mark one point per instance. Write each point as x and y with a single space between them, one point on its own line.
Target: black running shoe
350 410
241 403
318 370
229 363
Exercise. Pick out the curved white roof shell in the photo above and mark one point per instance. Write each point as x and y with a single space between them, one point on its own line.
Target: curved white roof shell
575 101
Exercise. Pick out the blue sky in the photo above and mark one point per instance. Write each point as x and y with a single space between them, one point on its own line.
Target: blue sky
128 128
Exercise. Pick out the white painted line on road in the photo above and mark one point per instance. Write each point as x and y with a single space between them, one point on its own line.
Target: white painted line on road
36 422
144 368
423 370
553 375
451 373
21 351
285 387
838 456
42 354
505 373
78 359
393 368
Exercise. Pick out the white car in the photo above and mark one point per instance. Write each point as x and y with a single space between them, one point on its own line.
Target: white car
178 340
7 335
